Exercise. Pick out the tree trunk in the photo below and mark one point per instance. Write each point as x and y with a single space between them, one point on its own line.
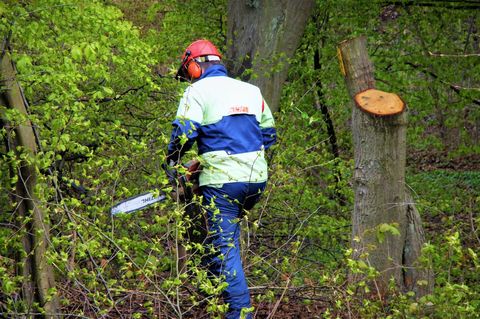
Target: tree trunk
37 272
262 36
381 200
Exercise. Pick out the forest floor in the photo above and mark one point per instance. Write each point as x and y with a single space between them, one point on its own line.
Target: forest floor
429 161
289 303
132 305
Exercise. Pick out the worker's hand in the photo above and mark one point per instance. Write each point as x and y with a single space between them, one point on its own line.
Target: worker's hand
193 167
193 175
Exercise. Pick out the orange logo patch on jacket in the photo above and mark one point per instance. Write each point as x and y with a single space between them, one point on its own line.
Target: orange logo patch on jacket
238 109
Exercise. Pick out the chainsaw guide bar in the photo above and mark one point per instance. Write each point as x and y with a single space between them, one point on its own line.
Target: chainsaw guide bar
136 203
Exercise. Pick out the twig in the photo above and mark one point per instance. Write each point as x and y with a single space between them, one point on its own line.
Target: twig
270 315
35 314
454 87
472 224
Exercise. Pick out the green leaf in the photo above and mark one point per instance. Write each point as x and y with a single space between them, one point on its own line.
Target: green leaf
89 52
384 228
108 91
76 53
24 64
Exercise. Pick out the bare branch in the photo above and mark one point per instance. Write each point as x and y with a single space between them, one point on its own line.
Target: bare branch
454 55
456 88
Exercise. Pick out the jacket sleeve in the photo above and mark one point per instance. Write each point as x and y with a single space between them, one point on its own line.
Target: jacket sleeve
185 126
267 125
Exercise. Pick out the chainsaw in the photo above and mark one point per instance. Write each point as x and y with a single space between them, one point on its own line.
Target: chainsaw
184 188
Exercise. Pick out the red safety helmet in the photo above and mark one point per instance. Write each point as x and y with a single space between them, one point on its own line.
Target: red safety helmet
199 48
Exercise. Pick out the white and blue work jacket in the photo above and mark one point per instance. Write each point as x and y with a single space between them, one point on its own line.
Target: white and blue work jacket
232 125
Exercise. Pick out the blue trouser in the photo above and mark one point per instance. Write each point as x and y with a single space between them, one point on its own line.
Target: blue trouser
224 207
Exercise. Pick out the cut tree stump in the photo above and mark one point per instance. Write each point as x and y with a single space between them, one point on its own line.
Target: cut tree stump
387 233
379 103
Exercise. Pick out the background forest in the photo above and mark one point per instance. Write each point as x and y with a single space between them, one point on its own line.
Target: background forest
98 77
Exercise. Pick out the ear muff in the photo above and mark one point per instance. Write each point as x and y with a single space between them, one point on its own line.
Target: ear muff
194 70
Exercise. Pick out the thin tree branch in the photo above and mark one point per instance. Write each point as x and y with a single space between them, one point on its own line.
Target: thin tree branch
454 55
444 4
456 88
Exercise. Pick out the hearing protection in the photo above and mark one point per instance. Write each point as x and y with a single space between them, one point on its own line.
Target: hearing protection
193 67
194 70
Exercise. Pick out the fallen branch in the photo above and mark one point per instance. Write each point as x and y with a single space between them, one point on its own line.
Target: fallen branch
454 55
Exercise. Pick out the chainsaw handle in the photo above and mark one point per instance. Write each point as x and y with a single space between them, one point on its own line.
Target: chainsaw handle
193 171
179 182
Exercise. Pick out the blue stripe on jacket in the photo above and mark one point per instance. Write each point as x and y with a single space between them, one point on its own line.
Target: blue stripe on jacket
269 135
241 134
233 134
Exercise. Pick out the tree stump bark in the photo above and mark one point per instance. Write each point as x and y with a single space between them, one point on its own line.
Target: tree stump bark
379 139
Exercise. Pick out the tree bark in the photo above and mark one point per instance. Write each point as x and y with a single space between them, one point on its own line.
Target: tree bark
262 36
37 272
415 238
379 184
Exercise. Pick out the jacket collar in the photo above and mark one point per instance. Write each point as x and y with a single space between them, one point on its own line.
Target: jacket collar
214 70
